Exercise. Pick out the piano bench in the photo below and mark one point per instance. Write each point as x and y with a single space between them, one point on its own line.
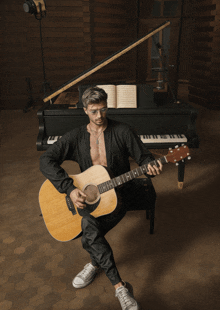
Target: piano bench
144 199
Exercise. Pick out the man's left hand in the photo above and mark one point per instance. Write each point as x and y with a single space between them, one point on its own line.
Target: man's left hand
154 170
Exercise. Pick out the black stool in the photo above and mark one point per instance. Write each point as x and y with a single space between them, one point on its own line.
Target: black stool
144 199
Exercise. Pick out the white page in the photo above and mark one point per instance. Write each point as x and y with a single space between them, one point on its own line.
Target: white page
111 91
126 96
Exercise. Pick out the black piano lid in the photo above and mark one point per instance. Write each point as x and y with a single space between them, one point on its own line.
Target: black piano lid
169 109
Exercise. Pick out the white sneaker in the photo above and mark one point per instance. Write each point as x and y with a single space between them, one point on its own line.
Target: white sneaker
85 277
126 299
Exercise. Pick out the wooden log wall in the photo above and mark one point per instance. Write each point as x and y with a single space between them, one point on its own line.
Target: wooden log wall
204 86
113 26
76 34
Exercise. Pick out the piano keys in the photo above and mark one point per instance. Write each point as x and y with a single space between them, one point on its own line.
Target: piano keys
172 138
146 139
53 139
159 127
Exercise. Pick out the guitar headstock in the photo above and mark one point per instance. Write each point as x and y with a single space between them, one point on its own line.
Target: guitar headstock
177 154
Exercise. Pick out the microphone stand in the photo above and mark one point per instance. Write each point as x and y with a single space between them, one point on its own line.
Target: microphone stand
164 68
46 88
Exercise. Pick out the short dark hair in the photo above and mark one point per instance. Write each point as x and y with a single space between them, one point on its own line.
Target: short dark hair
93 95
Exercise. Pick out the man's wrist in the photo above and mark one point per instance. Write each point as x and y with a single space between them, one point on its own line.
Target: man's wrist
70 189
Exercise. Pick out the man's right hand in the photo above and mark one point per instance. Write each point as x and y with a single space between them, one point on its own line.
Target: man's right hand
78 198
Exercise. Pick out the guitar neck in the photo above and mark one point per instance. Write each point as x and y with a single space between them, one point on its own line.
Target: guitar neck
133 174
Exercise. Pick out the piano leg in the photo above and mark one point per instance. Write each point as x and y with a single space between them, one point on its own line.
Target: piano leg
181 170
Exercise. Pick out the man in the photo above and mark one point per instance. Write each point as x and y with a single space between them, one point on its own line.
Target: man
102 142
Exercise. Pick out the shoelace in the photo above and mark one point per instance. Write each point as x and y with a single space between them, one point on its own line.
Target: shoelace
125 298
87 271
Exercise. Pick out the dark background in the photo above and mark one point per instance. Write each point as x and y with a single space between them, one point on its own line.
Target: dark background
78 34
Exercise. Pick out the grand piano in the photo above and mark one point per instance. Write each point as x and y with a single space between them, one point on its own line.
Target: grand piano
158 126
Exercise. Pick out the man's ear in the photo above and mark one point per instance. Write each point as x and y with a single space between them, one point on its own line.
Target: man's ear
85 110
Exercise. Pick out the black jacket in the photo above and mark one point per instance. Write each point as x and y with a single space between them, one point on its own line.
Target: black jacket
121 142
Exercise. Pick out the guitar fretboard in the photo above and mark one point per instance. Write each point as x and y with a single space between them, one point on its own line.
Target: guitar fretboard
123 178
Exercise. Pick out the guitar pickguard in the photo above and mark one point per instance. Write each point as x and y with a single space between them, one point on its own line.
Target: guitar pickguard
82 212
89 208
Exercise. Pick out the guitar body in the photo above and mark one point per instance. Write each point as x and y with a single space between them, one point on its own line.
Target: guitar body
63 219
65 225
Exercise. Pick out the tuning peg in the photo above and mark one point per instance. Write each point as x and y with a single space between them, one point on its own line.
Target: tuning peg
177 164
170 148
183 160
183 144
176 147
189 157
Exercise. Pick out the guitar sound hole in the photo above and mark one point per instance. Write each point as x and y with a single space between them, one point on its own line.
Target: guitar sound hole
92 193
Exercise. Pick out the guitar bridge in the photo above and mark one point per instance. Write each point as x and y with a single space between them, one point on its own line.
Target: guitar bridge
70 205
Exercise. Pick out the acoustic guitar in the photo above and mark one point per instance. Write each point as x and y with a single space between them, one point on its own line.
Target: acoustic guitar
63 219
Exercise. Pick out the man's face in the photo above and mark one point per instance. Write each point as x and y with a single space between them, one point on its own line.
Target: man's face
97 113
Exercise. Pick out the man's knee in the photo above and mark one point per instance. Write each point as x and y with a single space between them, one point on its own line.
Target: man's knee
88 221
90 225
91 230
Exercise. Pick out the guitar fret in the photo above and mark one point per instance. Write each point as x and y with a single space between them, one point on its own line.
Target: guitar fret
118 180
99 188
107 185
145 168
103 187
155 163
163 160
141 171
125 177
114 182
133 174
138 171
110 184
122 177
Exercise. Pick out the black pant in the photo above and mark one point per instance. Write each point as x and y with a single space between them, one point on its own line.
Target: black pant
94 230
94 242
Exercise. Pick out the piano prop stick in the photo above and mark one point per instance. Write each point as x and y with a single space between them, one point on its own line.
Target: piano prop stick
106 61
